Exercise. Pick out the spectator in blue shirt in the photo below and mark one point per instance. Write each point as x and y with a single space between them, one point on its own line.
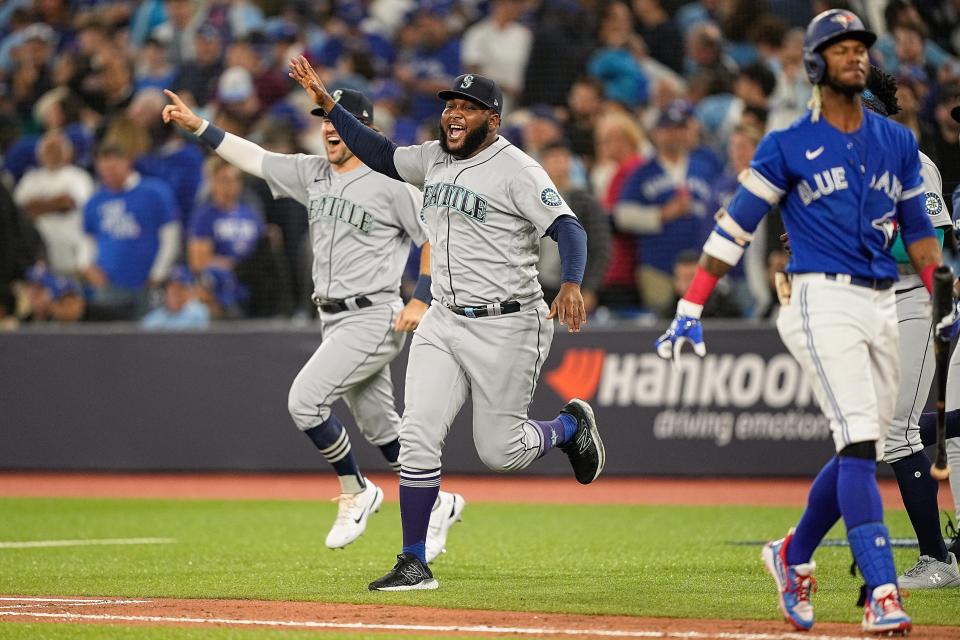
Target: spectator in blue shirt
225 230
132 237
181 309
665 201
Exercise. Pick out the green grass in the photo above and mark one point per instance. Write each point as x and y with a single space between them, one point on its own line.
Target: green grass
633 560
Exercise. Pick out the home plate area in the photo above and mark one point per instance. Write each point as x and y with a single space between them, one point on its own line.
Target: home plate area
367 619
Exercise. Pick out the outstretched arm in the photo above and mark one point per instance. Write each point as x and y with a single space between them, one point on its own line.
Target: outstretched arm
239 152
373 149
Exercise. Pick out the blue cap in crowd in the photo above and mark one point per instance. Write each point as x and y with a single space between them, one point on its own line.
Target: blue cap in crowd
58 286
676 114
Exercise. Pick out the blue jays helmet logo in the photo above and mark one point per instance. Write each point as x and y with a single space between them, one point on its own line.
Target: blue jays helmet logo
467 81
843 19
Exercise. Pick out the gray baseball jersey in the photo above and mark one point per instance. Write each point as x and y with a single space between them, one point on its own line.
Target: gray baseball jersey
361 223
485 217
917 364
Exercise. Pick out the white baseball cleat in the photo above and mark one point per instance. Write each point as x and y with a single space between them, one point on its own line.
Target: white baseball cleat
352 514
445 513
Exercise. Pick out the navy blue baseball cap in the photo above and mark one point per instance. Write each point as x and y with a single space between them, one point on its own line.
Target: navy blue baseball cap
475 88
676 114
354 102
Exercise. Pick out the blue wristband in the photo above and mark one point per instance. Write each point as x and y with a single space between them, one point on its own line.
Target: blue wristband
212 136
422 290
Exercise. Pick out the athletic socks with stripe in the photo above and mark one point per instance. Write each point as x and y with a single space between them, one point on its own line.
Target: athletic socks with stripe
332 440
557 431
418 493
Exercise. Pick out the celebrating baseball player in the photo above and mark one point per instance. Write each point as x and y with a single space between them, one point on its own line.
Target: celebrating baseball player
842 202
486 205
937 567
361 224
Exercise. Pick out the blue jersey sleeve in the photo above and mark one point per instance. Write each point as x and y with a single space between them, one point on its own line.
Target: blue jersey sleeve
761 186
166 205
201 226
90 217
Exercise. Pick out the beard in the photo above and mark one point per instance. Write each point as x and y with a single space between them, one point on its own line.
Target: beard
471 143
847 90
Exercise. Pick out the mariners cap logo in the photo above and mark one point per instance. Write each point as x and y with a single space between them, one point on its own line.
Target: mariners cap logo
934 203
337 94
550 197
467 81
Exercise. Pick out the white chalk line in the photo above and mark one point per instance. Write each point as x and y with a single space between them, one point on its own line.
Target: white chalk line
39 544
37 603
614 633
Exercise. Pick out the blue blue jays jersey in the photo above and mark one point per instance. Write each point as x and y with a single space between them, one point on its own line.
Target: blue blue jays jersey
843 196
650 185
126 225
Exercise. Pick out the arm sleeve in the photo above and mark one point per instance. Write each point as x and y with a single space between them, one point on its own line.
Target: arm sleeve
239 152
571 240
597 226
167 252
373 149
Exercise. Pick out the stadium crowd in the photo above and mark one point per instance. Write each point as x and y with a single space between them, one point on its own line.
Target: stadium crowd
643 112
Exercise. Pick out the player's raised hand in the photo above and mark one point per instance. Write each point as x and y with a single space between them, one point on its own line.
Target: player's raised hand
180 114
411 315
568 307
683 329
303 72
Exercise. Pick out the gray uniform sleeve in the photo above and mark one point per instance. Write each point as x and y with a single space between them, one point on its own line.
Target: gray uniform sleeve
408 204
414 162
933 198
289 175
536 198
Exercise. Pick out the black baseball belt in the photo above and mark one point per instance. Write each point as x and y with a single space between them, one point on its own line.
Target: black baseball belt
493 309
871 283
328 305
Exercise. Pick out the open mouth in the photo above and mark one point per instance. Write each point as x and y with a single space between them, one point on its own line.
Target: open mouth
333 141
456 132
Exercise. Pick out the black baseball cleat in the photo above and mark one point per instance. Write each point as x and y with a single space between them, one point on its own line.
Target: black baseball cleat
585 449
408 574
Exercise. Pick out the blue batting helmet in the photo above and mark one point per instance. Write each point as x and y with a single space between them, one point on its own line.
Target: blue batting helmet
825 29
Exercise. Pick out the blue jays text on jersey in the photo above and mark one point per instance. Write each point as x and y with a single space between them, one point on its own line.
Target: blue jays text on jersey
842 195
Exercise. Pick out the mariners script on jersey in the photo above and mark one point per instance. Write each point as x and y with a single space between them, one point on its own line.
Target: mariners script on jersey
485 217
360 223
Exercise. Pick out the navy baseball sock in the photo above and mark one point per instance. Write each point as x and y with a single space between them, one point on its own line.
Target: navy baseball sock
821 514
332 441
919 492
928 426
557 431
862 509
391 451
418 492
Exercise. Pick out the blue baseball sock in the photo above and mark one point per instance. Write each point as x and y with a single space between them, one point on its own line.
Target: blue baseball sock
919 492
928 426
821 514
862 509
557 431
332 441
391 451
418 492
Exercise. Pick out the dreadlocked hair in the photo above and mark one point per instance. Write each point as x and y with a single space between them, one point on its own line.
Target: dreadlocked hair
884 86
816 103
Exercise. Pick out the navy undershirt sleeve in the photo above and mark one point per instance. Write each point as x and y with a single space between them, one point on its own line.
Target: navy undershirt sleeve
571 239
373 149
